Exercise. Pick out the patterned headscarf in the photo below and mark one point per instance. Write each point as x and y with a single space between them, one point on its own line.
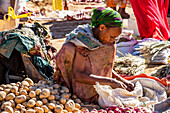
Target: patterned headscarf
106 16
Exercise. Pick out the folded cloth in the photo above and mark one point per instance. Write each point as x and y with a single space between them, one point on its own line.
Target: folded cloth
16 41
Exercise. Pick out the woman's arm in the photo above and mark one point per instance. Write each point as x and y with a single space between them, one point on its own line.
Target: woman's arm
92 79
126 82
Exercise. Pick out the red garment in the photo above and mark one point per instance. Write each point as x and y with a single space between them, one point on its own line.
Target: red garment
164 81
151 16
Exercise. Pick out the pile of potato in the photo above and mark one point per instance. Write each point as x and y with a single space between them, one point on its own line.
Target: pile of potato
41 97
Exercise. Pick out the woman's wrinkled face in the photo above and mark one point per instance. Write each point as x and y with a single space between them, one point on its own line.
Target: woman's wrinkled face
107 35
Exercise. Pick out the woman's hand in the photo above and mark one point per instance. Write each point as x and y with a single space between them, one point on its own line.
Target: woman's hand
117 84
130 86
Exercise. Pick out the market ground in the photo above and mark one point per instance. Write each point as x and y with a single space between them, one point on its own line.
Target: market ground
57 43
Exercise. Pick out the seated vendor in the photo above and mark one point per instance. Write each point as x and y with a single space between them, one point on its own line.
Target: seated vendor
88 56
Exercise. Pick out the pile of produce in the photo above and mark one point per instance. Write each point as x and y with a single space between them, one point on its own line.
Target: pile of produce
48 97
115 109
129 65
41 97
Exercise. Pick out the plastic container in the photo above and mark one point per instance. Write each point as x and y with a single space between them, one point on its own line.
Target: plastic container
57 4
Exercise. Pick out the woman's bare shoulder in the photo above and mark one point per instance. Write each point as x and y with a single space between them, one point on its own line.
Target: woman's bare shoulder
68 48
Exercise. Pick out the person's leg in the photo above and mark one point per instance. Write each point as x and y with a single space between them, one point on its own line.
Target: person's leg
112 3
122 9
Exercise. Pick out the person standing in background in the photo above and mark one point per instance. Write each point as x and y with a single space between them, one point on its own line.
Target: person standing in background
122 5
151 17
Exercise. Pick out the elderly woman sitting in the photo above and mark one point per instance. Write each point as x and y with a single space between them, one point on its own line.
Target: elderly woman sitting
88 56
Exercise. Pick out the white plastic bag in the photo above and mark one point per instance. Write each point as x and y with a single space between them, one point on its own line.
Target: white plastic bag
119 97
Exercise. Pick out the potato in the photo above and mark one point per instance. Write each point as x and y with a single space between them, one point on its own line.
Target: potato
20 99
66 95
44 82
28 97
32 94
76 110
62 100
29 81
38 91
52 92
29 108
20 106
41 85
10 96
58 109
74 97
9 109
78 101
62 91
70 106
45 108
7 91
24 104
15 109
39 103
1 88
4 112
30 111
51 105
8 86
56 86
57 97
39 110
82 104
85 110
13 84
66 90
50 88
14 89
2 95
77 105
23 92
17 93
12 103
24 83
51 97
5 104
21 89
57 102
62 105
40 82
35 99
31 103
50 111
53 101
23 110
45 93
32 88
55 92
65 111
26 88
45 101
19 84
17 112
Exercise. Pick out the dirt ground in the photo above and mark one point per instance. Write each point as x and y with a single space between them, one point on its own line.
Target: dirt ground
57 43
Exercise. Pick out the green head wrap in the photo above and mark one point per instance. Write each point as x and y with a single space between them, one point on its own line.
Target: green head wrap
106 16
